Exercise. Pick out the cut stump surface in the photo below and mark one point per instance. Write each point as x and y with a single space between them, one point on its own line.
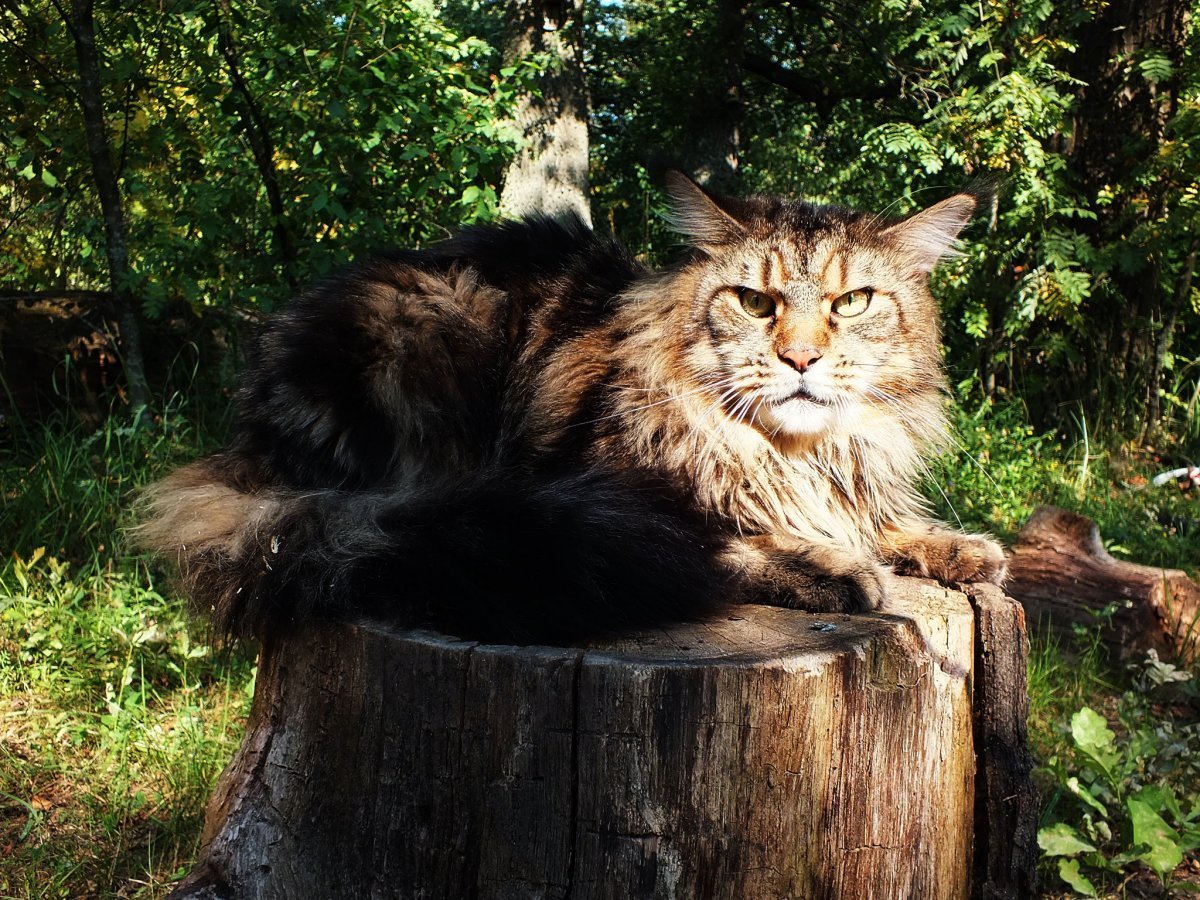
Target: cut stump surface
771 753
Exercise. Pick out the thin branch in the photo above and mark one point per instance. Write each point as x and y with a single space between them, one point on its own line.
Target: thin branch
56 296
815 90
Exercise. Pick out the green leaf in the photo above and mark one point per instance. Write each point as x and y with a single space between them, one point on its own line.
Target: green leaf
48 178
1062 840
1156 66
1161 797
1095 739
1068 871
1086 796
1150 829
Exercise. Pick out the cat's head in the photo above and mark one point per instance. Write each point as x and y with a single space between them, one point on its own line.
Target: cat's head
812 319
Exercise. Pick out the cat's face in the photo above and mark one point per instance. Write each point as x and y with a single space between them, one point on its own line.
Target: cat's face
808 319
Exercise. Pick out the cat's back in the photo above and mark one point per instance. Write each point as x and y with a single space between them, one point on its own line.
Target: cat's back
546 267
406 357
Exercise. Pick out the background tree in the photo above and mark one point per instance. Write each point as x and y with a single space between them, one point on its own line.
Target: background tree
259 144
549 173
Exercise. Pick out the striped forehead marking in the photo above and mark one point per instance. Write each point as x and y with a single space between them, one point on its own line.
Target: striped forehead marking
784 275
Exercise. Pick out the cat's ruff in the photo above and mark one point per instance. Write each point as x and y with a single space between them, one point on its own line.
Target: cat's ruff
523 434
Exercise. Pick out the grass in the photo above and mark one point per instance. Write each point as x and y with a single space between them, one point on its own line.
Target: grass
116 717
1001 468
1118 749
114 720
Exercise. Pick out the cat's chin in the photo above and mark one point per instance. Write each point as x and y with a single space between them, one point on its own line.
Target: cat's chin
797 417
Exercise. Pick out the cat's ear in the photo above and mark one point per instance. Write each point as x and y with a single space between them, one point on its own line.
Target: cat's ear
704 219
932 234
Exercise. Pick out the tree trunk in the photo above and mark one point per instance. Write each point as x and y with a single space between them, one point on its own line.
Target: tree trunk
1119 126
1064 577
91 99
772 753
549 175
1006 803
712 122
258 134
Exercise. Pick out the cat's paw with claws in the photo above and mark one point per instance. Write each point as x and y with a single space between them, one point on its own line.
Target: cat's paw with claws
950 557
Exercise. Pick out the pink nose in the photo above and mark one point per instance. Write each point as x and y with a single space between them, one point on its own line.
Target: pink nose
800 358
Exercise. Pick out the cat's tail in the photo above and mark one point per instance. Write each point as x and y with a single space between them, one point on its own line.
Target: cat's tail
490 558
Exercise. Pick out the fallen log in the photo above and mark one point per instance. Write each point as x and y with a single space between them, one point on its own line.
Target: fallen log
1065 579
772 753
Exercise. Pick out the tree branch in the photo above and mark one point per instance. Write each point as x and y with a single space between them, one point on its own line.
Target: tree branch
814 90
56 296
259 136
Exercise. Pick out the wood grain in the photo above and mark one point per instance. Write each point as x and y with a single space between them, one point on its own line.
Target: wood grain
1064 577
772 753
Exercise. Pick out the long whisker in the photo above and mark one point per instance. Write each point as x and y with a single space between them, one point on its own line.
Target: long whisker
884 395
669 399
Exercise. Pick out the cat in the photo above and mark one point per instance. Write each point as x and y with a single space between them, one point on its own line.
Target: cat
523 434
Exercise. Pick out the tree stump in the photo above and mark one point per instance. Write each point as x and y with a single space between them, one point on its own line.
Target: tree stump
771 753
1065 578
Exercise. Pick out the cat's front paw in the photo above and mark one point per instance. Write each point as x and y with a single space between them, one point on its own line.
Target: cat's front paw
812 578
852 588
951 558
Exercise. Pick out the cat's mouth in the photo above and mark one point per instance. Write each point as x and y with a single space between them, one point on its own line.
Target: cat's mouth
804 396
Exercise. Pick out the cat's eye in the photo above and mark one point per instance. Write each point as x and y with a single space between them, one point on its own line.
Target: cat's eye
853 303
756 303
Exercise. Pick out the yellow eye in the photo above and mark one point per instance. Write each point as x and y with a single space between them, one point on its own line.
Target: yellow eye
756 304
853 304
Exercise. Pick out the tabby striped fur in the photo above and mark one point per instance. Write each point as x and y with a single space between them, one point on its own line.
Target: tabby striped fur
522 434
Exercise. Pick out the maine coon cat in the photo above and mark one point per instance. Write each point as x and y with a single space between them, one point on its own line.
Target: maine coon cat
523 434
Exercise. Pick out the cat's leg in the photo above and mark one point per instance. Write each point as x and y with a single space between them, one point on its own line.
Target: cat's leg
933 551
798 575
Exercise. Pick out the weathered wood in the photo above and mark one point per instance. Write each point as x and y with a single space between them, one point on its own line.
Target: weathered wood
1006 802
772 753
1064 577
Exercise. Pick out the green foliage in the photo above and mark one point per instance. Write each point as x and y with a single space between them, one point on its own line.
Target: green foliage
1124 800
999 468
387 128
117 719
117 725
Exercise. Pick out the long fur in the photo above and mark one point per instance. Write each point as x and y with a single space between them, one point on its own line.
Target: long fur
499 555
522 434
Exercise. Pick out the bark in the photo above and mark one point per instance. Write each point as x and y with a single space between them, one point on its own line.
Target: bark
258 133
770 753
711 152
1006 802
1065 578
91 100
549 174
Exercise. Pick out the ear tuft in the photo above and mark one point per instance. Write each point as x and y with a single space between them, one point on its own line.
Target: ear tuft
932 234
705 220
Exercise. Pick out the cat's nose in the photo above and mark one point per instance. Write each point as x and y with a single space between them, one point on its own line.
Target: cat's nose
800 358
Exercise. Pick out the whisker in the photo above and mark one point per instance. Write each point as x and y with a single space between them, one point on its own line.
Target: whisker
668 399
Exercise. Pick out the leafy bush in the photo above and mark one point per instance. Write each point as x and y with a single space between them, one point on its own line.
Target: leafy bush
1119 802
